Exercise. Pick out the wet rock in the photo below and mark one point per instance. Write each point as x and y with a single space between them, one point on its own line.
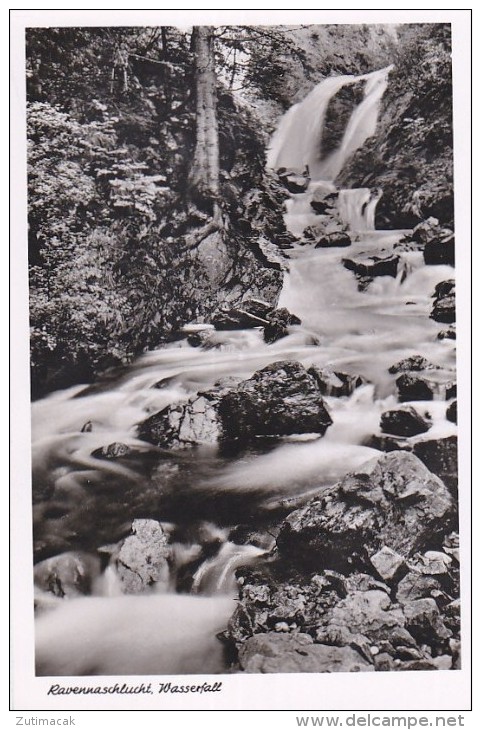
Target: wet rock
67 575
424 622
339 239
441 457
415 585
185 424
279 400
371 264
452 412
264 603
444 310
257 307
444 288
404 422
407 244
237 319
430 234
324 227
248 535
449 334
388 443
278 323
411 387
324 203
387 563
440 251
391 501
335 383
423 387
142 558
274 652
87 427
415 363
444 307
202 338
296 181
115 450
451 390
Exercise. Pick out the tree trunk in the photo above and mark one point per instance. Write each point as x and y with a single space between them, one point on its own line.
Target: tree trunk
204 173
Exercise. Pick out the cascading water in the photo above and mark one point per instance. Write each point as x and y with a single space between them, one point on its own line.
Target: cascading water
298 139
297 143
203 497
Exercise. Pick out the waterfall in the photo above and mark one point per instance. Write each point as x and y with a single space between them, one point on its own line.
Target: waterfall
297 143
217 575
357 208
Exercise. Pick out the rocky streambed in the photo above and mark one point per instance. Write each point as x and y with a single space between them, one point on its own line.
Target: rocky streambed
299 460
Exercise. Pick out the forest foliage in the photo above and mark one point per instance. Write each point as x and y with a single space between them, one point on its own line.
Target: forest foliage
411 157
111 135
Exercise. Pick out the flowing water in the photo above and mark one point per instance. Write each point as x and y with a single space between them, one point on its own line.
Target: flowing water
218 508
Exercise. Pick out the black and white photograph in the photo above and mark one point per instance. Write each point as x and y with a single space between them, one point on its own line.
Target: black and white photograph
243 242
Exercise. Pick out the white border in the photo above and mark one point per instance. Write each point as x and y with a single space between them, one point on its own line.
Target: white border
416 691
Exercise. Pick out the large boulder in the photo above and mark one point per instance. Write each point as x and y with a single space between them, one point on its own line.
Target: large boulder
437 242
404 421
425 386
368 614
441 457
444 310
287 623
372 264
184 424
392 501
294 653
279 400
266 604
142 559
